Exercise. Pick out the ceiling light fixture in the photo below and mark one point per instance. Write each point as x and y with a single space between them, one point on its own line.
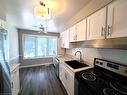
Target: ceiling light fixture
42 11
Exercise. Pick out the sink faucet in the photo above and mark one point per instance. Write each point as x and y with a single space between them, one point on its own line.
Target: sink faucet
80 55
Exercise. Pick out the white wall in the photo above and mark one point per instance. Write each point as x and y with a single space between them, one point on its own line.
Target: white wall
13 41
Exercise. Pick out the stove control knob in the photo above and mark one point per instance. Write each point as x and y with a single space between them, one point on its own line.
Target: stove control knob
97 62
101 63
125 72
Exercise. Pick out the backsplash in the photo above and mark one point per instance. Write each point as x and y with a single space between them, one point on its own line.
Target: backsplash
88 54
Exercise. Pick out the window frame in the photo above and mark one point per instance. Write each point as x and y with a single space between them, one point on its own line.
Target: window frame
37 36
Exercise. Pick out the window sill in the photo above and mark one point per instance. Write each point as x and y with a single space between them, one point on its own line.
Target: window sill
38 57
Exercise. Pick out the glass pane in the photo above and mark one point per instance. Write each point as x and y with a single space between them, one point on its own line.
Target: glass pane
29 46
52 46
41 46
36 46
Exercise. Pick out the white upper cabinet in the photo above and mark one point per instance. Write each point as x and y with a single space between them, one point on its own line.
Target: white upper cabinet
62 39
81 31
109 22
78 32
73 33
96 25
65 39
3 24
116 20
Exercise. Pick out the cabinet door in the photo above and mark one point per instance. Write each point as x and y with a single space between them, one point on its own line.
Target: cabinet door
96 25
3 24
15 81
81 30
65 78
62 39
60 71
69 81
72 34
62 74
117 22
66 38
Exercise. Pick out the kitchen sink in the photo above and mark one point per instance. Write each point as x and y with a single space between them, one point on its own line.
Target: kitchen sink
75 64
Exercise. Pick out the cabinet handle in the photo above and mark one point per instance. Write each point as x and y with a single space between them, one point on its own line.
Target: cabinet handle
109 30
102 29
63 45
76 37
15 71
103 32
12 85
66 76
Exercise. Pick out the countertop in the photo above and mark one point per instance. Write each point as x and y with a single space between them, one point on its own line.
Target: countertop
13 66
68 58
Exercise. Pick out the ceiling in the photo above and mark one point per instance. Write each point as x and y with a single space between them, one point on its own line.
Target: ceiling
20 12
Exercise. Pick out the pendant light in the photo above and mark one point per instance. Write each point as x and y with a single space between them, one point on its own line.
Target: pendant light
42 11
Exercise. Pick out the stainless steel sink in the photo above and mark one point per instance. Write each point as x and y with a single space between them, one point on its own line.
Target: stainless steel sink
75 64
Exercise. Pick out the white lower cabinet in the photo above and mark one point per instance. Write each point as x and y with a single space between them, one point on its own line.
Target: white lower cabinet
67 79
15 81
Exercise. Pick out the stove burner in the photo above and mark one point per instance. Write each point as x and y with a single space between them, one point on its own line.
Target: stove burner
119 87
88 77
109 91
95 72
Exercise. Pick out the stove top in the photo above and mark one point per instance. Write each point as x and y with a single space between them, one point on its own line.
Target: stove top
122 88
89 77
109 91
106 78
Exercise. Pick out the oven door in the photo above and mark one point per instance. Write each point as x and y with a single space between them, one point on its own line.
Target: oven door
82 88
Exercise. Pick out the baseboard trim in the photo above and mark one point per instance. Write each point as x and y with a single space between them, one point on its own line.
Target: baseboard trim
46 64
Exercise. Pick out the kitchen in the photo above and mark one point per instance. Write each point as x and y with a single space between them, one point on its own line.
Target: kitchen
83 52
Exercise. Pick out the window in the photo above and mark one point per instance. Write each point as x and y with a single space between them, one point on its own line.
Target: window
39 46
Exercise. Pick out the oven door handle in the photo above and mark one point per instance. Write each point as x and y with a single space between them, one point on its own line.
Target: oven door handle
57 61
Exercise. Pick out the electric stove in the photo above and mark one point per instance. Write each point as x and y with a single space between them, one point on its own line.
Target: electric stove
106 78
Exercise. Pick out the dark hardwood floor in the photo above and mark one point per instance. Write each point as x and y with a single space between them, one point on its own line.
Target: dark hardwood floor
40 81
